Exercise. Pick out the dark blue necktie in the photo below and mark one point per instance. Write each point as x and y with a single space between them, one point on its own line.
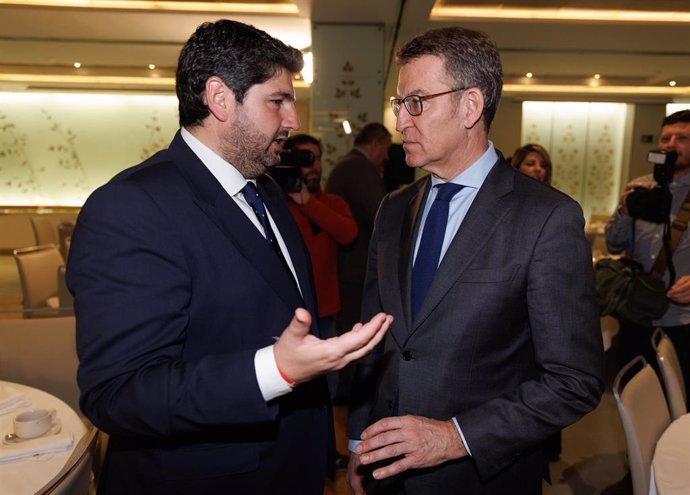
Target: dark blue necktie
251 194
429 252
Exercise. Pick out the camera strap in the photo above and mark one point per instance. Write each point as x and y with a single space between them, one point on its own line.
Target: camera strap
673 232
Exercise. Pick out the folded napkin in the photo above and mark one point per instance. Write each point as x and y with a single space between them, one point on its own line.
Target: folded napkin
42 445
11 399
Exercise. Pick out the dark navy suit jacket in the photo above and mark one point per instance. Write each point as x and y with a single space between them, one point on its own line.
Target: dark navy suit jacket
175 290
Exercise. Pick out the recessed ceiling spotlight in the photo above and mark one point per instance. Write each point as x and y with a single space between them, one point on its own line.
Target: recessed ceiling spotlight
597 76
76 65
672 83
529 75
152 66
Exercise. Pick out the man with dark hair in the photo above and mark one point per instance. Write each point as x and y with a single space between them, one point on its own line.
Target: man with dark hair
357 178
194 296
644 244
495 344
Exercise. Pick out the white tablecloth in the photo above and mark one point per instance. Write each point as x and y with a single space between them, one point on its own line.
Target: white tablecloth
30 475
671 464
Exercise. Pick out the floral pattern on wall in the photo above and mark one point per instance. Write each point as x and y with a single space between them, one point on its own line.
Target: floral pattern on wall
348 85
585 141
57 147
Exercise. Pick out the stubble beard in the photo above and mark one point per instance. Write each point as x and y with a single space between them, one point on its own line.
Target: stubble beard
245 148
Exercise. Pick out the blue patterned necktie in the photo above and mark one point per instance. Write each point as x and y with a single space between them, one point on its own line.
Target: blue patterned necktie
251 194
429 252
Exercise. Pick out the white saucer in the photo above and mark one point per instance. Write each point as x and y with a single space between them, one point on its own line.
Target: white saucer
54 429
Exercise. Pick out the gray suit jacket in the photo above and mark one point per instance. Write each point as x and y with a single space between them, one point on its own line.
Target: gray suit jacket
507 340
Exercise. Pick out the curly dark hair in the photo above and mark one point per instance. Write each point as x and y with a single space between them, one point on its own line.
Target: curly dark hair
470 58
241 55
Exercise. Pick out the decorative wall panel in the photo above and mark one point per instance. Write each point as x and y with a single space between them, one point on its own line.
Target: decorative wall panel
56 148
585 141
348 84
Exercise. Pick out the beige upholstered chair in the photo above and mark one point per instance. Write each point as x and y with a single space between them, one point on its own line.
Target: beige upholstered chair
671 373
76 476
65 298
41 353
38 272
644 414
65 230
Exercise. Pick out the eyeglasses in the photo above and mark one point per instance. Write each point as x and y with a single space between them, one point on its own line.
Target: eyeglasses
413 103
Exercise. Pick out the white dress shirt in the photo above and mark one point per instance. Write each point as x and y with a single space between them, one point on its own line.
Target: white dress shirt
271 384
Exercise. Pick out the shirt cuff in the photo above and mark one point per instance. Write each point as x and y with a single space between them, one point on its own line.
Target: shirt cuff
464 442
271 383
352 445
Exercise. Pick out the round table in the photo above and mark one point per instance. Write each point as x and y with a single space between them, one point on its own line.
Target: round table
671 463
28 476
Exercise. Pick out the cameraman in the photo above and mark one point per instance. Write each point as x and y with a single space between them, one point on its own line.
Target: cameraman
634 340
325 221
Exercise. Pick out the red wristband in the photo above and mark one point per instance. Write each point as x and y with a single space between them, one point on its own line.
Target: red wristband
290 382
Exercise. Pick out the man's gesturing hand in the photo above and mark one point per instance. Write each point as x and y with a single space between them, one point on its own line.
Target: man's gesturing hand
422 442
302 356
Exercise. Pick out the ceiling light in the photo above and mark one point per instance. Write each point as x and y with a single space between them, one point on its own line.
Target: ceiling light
596 89
308 69
278 8
672 83
152 66
76 65
529 75
558 14
597 76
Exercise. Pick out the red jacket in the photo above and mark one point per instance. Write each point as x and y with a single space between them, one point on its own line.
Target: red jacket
325 221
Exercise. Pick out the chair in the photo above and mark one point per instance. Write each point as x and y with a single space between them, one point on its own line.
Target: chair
65 298
41 353
38 272
671 373
644 414
65 230
75 477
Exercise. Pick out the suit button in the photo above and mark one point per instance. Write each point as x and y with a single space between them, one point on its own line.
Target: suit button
407 356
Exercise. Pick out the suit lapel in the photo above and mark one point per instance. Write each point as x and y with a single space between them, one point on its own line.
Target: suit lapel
408 235
222 210
478 226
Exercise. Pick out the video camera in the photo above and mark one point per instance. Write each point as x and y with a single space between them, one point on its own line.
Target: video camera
654 205
288 174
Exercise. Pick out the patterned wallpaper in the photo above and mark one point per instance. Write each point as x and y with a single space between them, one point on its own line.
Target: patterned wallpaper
585 141
56 148
348 84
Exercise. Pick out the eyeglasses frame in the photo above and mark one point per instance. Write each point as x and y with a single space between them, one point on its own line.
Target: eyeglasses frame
400 102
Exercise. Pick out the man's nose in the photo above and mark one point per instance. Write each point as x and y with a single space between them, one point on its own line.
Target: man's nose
403 120
290 119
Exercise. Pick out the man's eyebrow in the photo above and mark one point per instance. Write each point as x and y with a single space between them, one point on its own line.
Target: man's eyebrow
283 94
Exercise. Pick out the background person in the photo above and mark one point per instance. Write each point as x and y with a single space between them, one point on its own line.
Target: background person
647 242
191 280
325 222
357 178
495 344
533 160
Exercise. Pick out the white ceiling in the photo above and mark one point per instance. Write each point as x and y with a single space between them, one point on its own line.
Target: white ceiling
45 40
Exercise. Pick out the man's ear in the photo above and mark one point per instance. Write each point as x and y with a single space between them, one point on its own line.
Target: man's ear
219 98
472 107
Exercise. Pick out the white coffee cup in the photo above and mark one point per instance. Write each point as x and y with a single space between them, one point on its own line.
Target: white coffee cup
33 423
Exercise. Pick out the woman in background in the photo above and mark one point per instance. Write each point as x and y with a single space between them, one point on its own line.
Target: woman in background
533 160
